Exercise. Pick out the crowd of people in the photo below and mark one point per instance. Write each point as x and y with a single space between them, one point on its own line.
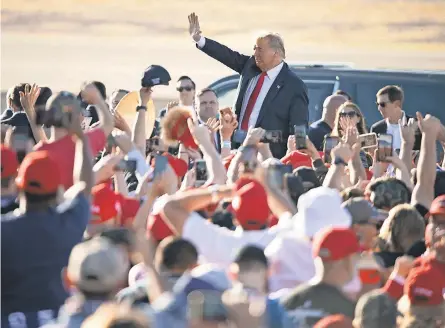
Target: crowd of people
223 217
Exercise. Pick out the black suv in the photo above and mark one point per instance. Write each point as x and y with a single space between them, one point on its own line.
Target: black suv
424 91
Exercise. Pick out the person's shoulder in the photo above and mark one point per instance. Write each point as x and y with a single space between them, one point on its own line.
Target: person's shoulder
378 124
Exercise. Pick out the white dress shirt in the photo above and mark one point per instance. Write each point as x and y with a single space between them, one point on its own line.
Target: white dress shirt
268 81
394 130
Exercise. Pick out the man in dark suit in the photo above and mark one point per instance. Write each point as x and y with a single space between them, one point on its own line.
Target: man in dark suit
270 95
389 103
207 107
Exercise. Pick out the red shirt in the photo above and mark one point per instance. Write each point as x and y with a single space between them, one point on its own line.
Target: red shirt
130 207
63 150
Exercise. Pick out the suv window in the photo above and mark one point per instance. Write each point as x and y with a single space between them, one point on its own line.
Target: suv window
318 91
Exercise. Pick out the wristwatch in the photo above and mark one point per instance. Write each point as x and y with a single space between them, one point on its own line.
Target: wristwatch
339 161
138 108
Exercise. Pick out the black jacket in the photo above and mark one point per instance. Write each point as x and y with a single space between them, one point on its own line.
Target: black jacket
380 127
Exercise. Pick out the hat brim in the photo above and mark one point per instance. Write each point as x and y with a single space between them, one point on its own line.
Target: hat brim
127 109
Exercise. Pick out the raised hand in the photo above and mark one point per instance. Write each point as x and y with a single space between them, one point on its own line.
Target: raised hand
199 132
28 99
144 96
213 124
229 124
407 130
90 94
194 28
429 124
351 135
172 104
254 136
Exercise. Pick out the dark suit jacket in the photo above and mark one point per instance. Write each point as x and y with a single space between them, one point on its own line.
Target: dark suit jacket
380 127
286 103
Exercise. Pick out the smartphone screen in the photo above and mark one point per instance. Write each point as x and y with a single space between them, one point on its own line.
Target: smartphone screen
384 145
272 136
161 163
368 140
300 136
201 171
329 144
275 175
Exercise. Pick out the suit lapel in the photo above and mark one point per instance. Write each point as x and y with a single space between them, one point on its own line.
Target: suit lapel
245 79
275 88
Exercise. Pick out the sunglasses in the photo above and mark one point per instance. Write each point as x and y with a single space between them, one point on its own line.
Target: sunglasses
180 89
381 104
348 114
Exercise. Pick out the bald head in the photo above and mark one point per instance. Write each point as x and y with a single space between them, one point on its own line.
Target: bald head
330 106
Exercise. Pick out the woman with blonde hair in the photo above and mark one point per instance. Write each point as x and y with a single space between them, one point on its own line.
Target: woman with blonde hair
348 116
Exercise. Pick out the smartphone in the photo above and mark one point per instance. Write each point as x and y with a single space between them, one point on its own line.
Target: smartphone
275 175
225 111
272 136
300 136
161 163
206 305
368 140
329 144
126 165
201 172
384 147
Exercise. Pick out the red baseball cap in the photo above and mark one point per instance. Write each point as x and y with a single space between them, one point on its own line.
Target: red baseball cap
130 207
438 206
250 206
424 286
180 131
105 203
158 228
39 174
9 162
178 165
333 244
297 159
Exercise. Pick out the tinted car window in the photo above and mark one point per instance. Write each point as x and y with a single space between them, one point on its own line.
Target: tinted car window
317 93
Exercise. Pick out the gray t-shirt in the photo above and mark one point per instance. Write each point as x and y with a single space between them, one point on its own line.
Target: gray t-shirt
308 303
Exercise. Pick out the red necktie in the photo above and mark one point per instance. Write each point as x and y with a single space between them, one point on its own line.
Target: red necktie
252 101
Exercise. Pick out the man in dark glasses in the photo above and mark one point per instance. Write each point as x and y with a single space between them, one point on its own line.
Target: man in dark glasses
186 88
389 103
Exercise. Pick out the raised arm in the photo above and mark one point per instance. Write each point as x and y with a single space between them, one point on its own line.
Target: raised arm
221 53
83 160
28 101
138 132
423 192
93 96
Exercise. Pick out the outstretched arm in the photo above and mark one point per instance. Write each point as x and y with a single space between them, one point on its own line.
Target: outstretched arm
221 53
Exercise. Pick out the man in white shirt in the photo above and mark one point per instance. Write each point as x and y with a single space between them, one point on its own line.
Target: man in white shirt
269 95
389 103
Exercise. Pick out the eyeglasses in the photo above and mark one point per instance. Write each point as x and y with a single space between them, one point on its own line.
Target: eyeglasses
180 89
382 104
348 114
